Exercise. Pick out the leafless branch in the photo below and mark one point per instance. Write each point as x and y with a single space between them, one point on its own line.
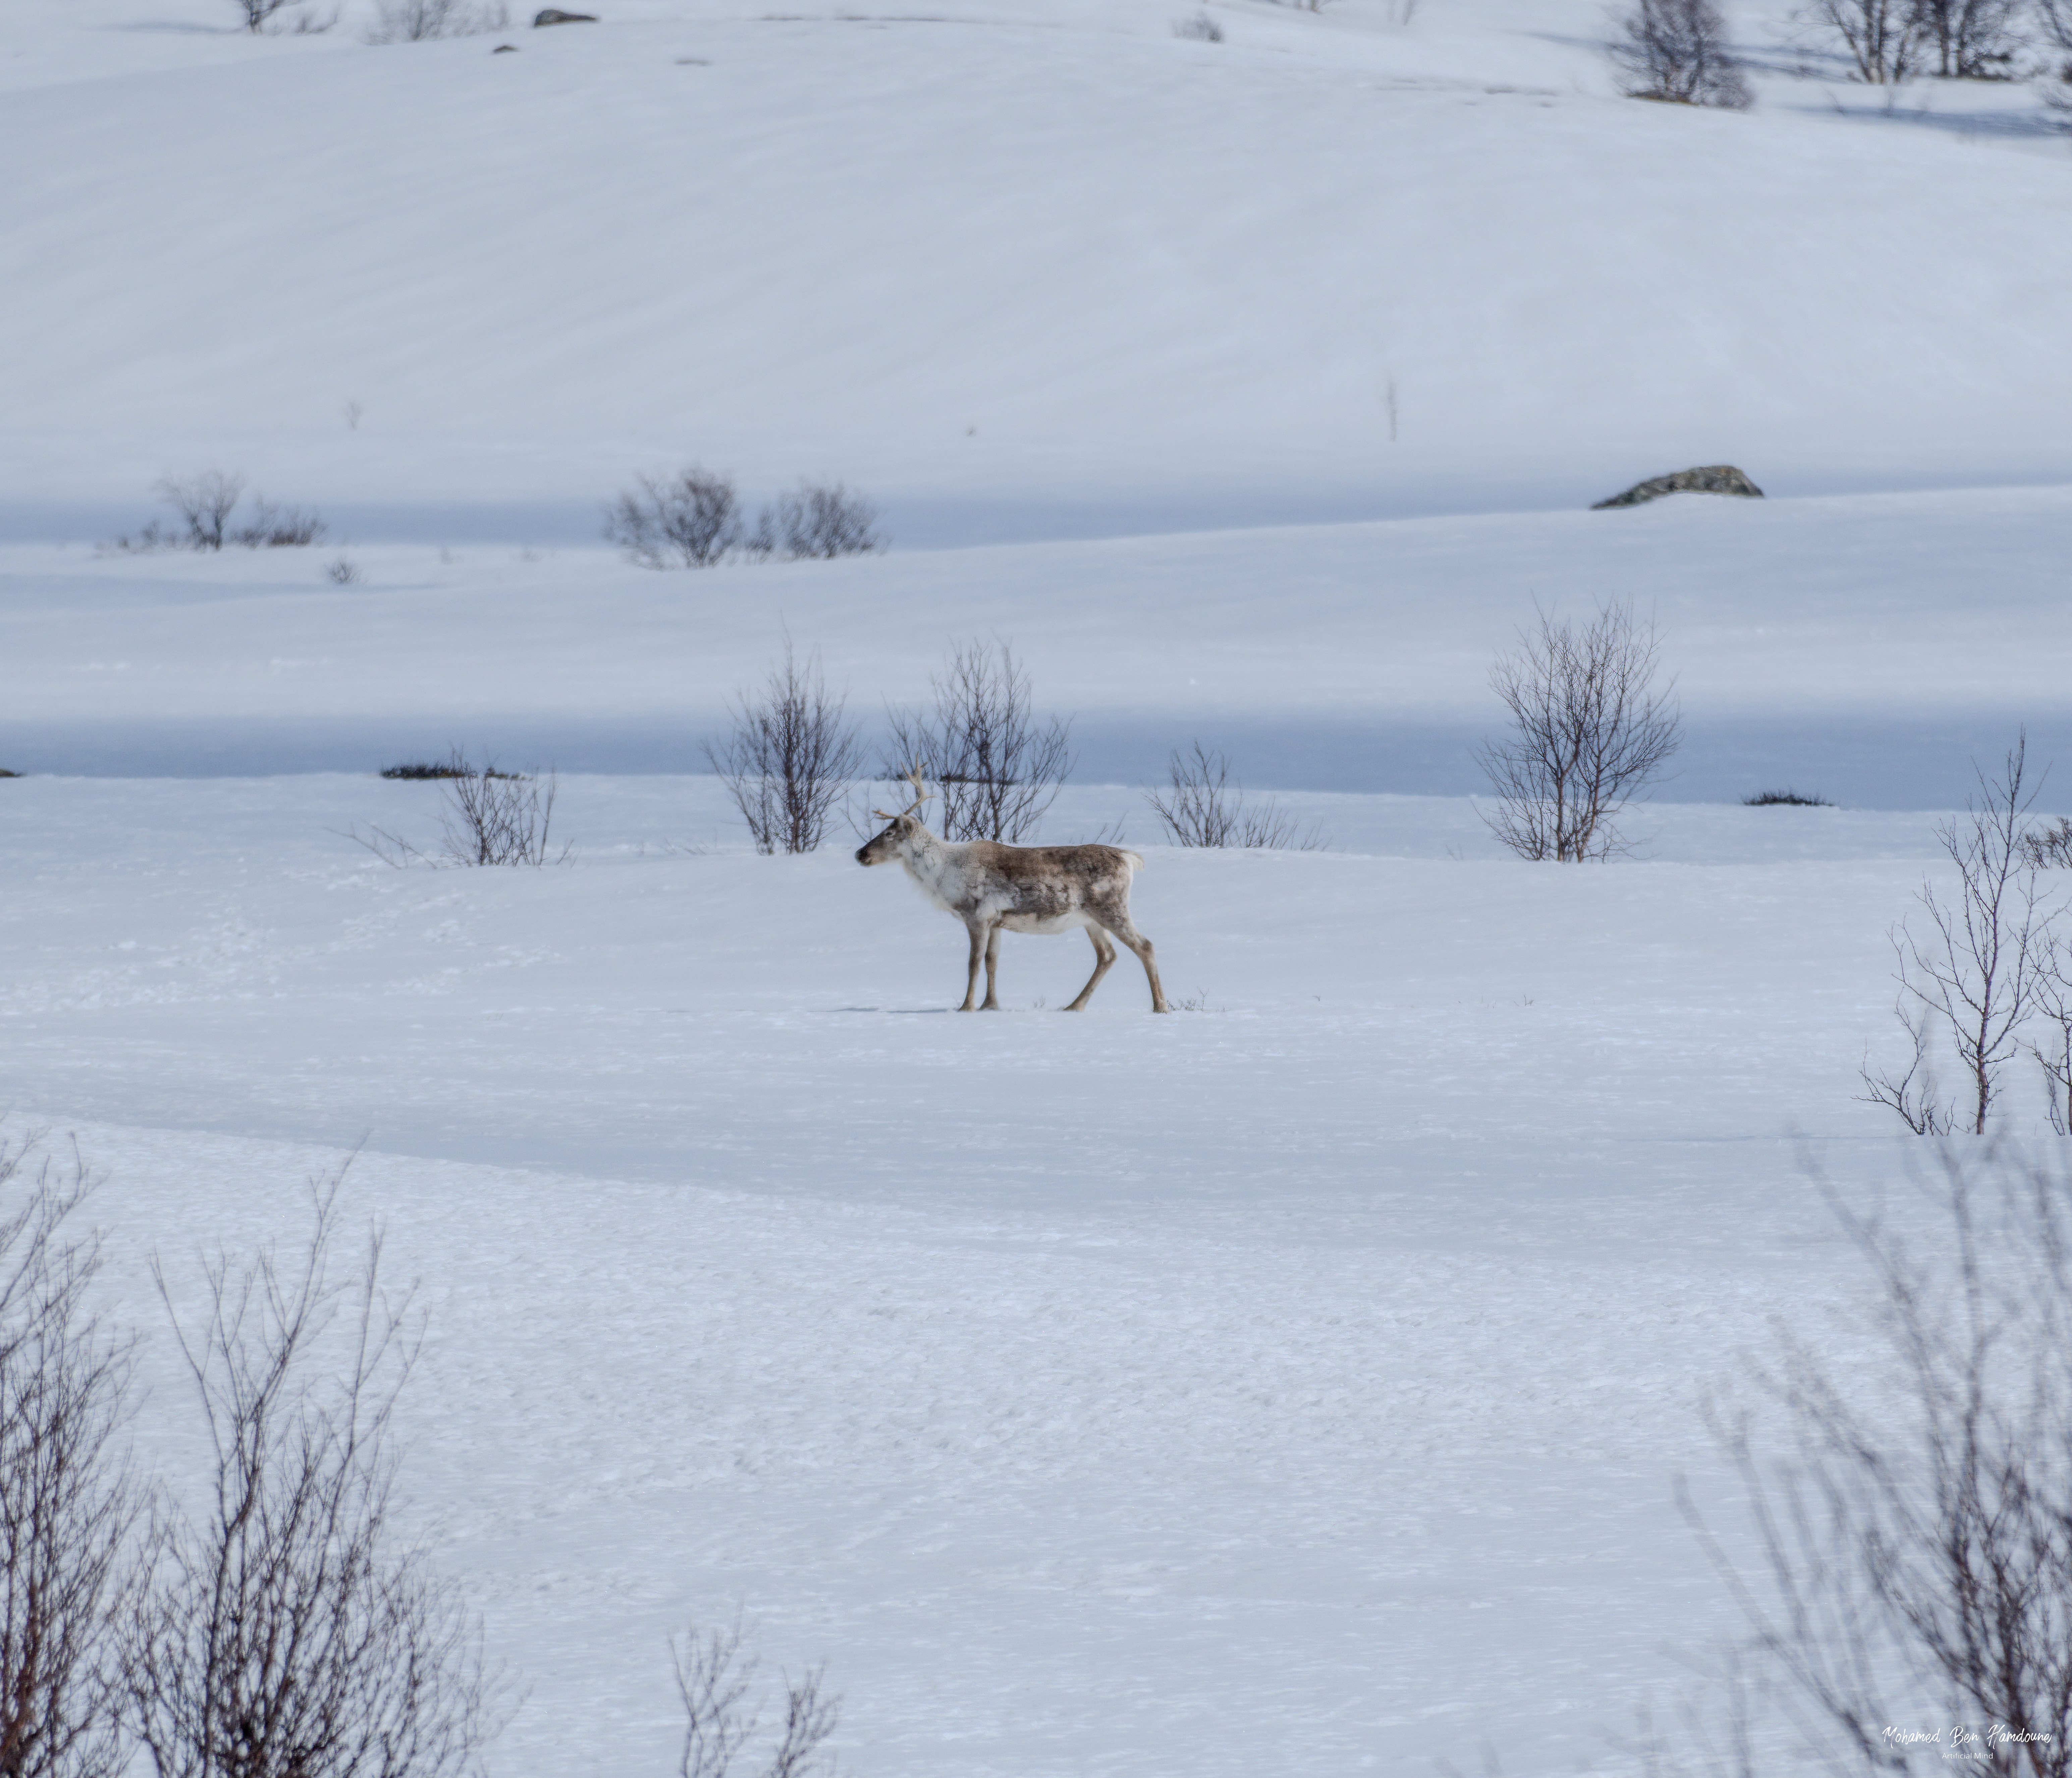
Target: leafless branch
1678 51
1918 1546
693 518
1973 967
1883 39
714 1680
792 756
1204 809
286 1633
1589 731
68 1505
998 768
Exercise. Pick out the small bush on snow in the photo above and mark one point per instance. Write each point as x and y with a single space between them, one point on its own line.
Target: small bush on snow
420 21
1201 29
1676 50
693 518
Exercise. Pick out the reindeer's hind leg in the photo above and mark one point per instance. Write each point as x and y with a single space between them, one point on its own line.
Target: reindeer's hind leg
1104 962
991 1003
971 977
1117 920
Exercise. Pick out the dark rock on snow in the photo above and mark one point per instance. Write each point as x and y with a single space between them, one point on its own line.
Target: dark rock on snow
554 15
1720 479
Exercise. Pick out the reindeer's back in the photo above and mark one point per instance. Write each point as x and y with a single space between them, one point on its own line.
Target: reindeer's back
1050 880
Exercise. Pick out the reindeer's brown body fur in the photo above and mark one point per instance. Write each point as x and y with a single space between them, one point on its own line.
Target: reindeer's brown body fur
994 888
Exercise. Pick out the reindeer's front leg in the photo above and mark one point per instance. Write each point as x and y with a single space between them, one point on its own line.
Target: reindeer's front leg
991 1002
971 979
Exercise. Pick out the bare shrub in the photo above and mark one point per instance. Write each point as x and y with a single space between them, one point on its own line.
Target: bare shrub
1914 1541
693 519
1883 40
1677 51
498 817
722 1719
791 758
343 571
2055 18
204 502
288 1632
1201 29
1971 39
1589 732
256 13
998 768
279 527
2048 847
1203 807
1784 799
419 21
68 1507
1970 972
815 523
485 817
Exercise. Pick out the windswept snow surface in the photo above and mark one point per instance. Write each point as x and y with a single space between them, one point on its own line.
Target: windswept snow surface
1019 271
1868 648
1295 1383
1295 1386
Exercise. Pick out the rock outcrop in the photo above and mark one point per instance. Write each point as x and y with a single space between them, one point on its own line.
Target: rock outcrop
554 15
1720 479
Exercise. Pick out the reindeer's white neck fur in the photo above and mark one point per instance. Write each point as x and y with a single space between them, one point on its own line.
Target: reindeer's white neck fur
938 867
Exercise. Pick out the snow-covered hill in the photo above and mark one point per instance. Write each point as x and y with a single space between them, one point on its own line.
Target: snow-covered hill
1294 1384
1018 270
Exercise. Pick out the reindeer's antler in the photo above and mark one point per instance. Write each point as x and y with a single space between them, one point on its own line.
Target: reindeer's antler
920 795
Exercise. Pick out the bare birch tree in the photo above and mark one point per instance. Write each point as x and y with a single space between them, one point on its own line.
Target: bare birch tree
1677 51
1970 39
791 756
68 1505
999 767
1883 40
1970 970
1590 730
722 1718
1204 809
1914 1542
287 1632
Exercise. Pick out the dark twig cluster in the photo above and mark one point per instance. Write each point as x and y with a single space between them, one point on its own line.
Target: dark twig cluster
1914 1555
69 1505
286 1633
1677 51
722 1719
1590 730
998 766
791 757
694 519
1203 807
204 504
485 817
1977 966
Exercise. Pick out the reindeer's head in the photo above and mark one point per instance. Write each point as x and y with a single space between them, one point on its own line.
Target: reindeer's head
901 827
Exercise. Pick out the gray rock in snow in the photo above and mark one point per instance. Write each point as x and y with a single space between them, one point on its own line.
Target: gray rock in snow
554 15
1720 479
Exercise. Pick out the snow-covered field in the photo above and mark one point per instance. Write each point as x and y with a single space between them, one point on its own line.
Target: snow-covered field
1294 1385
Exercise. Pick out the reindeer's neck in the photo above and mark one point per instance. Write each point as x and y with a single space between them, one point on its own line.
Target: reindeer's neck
935 864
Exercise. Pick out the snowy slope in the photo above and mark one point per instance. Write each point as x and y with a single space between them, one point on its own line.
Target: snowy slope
1870 647
1292 1385
1017 271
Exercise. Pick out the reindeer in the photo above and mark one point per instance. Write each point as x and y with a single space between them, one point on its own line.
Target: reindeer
993 888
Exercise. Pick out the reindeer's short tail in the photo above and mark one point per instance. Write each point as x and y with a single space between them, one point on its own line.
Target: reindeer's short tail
1134 860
